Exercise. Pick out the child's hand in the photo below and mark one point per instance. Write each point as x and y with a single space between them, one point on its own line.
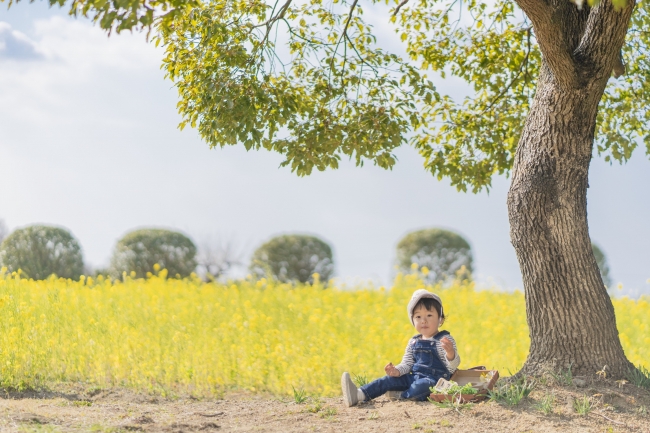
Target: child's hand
391 370
449 348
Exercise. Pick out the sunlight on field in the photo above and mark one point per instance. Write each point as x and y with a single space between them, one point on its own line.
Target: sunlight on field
172 336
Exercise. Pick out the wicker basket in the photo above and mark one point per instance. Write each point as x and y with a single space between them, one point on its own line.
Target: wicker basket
463 377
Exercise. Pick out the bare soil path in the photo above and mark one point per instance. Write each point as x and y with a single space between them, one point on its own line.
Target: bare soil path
616 408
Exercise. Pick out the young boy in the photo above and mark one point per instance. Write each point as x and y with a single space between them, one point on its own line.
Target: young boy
429 356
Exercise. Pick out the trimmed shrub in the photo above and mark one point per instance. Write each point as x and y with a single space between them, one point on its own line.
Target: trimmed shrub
443 252
40 251
293 258
139 250
601 260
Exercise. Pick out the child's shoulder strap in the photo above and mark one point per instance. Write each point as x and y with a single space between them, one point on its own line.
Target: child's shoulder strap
440 335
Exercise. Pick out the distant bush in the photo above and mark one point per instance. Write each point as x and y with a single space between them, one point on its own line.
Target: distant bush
601 260
443 252
140 250
40 251
293 258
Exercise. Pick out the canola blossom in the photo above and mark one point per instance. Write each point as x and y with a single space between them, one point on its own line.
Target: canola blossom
171 336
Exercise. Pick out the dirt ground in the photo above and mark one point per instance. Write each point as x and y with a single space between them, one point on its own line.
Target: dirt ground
616 408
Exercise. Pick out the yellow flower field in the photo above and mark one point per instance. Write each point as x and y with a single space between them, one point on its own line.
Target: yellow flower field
171 336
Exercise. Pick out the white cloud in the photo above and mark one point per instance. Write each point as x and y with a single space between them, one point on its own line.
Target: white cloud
80 66
15 45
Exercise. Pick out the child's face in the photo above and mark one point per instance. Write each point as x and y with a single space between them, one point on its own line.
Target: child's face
426 322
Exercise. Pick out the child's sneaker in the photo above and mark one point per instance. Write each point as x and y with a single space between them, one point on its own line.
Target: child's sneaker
394 395
350 397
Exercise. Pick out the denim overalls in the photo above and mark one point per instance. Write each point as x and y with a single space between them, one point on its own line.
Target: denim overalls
427 369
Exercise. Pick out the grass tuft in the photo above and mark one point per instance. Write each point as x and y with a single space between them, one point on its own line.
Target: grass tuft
640 376
511 394
582 405
299 395
328 413
545 405
360 379
316 407
563 377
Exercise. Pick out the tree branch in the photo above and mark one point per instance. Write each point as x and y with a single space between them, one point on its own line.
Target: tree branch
553 21
269 23
347 22
399 6
344 37
599 51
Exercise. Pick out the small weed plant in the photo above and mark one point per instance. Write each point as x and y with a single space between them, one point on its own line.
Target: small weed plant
511 394
640 376
94 390
582 405
545 405
360 379
299 395
373 415
328 413
562 376
316 407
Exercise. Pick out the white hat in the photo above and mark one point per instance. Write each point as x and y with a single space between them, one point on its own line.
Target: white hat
417 295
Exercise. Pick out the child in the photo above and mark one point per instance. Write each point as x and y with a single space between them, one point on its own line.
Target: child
429 356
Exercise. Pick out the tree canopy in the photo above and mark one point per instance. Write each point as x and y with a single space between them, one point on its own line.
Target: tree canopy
308 79
141 250
40 251
443 252
293 258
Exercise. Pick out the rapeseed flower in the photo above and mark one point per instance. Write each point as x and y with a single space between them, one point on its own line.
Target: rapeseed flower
169 336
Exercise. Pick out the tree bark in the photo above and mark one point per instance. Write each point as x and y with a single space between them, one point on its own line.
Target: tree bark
570 315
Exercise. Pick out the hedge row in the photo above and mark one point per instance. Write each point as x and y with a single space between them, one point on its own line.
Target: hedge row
39 251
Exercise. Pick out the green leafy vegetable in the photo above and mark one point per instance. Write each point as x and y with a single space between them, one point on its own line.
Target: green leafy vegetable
457 389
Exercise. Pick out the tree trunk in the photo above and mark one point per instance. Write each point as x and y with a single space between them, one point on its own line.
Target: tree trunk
570 315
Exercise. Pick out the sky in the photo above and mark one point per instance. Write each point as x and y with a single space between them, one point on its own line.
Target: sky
89 141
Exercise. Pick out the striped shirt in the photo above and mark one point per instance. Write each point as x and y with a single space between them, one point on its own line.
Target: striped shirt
406 365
